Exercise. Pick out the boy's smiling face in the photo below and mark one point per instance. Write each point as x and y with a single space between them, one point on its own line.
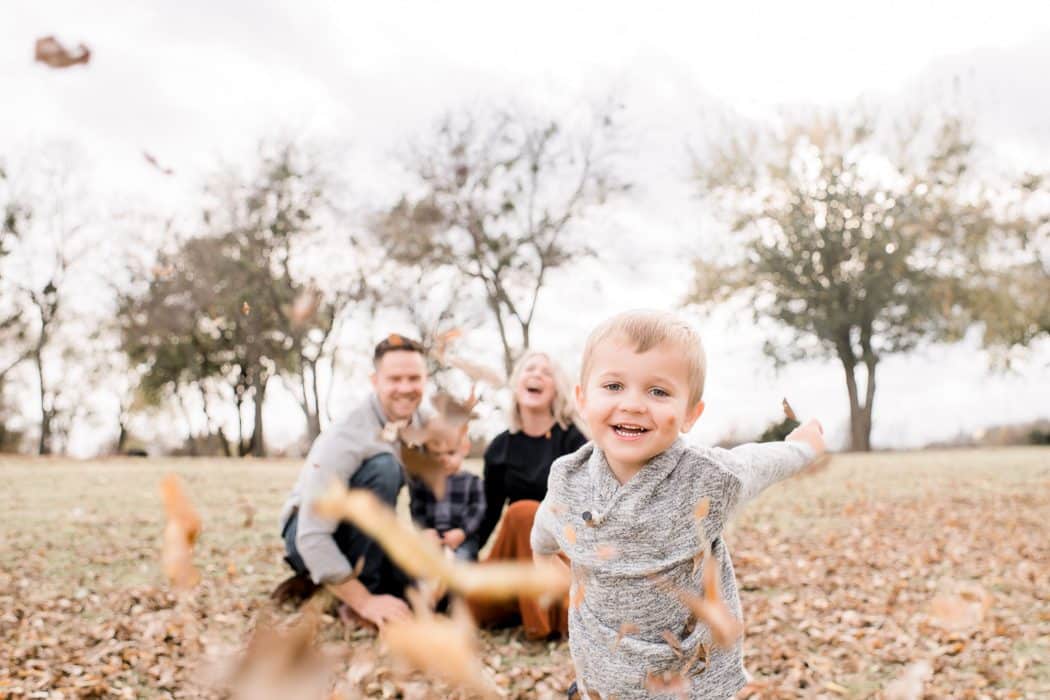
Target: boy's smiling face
635 404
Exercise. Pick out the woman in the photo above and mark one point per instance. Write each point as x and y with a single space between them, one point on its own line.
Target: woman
517 462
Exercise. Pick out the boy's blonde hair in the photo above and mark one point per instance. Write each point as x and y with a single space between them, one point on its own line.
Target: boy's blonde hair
646 329
563 407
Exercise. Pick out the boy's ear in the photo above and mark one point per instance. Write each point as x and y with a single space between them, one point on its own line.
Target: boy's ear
580 400
692 416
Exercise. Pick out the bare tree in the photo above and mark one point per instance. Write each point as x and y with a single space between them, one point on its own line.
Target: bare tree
499 194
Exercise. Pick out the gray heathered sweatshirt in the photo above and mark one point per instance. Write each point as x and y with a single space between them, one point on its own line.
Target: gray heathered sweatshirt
635 536
336 454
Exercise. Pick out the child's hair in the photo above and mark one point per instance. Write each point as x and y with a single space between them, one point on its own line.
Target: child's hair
563 408
646 329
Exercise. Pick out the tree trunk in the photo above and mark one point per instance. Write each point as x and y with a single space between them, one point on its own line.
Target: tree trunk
258 446
44 447
859 414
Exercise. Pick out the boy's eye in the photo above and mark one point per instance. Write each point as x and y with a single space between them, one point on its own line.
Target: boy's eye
657 391
612 386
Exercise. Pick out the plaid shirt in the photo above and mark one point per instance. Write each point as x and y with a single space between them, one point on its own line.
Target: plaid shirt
462 507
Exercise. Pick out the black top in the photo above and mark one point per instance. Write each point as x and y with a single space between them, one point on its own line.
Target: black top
517 466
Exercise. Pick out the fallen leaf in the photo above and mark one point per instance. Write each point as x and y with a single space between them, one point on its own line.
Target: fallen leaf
961 609
910 684
50 52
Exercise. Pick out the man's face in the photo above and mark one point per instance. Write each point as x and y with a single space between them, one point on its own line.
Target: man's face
636 404
399 380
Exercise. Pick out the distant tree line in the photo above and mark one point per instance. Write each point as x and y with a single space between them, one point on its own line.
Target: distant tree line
857 237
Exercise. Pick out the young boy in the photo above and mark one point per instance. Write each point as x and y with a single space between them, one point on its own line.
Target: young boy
621 509
455 519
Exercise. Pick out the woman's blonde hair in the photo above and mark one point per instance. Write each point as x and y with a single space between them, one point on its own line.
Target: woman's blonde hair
563 407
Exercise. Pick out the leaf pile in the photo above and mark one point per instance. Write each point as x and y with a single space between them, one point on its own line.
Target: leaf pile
839 575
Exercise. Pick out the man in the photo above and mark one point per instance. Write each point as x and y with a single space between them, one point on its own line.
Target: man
352 453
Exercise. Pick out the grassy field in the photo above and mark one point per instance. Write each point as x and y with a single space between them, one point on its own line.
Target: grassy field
837 573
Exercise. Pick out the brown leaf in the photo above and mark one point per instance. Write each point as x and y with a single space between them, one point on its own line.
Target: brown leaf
420 558
789 412
964 608
673 642
50 52
577 594
710 608
245 308
181 529
282 663
153 161
570 534
440 647
910 684
702 508
667 683
305 306
625 629
441 342
477 372
606 552
420 463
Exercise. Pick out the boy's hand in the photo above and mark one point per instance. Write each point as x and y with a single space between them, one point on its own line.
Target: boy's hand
810 433
454 538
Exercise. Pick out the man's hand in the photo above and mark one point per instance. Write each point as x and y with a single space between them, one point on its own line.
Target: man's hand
377 609
381 609
454 538
432 535
812 434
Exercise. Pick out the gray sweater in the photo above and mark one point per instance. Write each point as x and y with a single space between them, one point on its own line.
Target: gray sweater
336 454
639 535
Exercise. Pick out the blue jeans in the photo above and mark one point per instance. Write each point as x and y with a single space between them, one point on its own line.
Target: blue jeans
383 476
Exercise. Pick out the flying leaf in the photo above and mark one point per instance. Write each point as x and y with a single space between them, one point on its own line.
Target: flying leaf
667 683
282 663
50 52
441 343
423 465
156 164
440 647
305 306
420 558
477 372
180 534
570 534
710 608
625 629
789 412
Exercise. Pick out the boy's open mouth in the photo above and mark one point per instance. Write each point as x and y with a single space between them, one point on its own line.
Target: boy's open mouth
534 389
629 431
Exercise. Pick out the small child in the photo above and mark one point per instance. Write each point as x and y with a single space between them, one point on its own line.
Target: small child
455 519
622 507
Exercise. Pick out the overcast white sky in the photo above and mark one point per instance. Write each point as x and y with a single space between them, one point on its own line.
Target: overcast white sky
193 81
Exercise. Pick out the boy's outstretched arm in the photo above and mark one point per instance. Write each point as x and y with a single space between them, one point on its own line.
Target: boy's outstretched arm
760 465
